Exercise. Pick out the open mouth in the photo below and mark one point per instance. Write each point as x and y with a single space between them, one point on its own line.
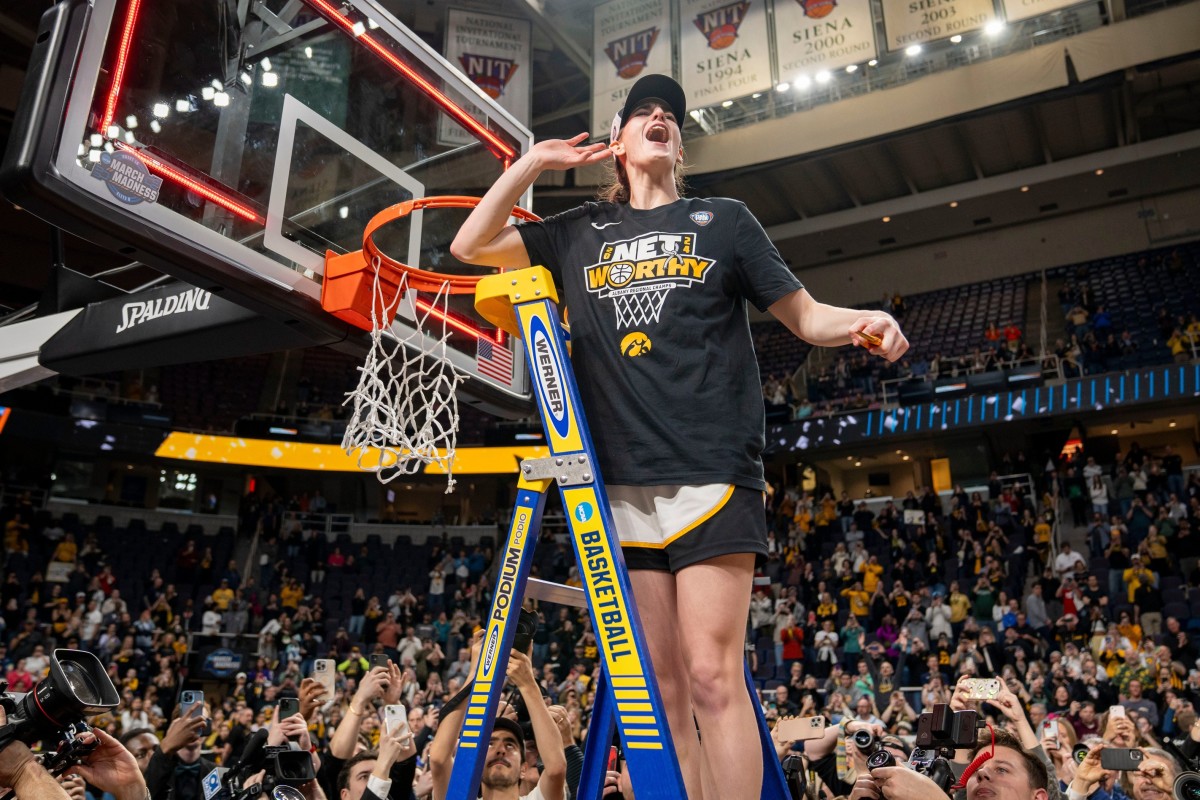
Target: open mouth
658 133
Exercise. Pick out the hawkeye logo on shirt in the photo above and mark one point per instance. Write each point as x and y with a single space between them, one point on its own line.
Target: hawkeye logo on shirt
638 274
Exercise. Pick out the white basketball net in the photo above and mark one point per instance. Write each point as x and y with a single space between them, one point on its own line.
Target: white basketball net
405 408
641 306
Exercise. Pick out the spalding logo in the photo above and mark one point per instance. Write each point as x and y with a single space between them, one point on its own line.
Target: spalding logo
549 377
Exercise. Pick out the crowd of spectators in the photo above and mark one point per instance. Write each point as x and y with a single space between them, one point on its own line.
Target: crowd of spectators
859 615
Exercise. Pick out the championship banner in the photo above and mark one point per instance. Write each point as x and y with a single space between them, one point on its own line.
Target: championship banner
495 53
1015 10
725 50
812 35
630 38
910 22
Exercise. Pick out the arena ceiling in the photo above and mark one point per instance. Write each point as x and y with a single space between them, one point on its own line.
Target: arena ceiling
1142 126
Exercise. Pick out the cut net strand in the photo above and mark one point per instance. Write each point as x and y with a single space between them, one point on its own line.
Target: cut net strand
404 411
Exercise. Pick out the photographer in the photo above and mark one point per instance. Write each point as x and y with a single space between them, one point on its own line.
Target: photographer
176 767
1017 724
1153 779
1011 773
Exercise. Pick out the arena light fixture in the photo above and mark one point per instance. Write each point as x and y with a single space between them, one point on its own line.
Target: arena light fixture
994 27
851 68
1114 431
912 50
955 39
873 62
803 82
726 104
782 86
1024 188
954 204
887 219
1099 172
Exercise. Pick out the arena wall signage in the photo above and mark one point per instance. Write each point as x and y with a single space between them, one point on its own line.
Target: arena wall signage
812 35
724 50
910 22
1024 9
494 53
630 38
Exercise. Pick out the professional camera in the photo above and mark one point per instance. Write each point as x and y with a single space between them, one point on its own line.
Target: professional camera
941 731
285 770
795 776
1187 786
872 748
941 728
54 712
527 625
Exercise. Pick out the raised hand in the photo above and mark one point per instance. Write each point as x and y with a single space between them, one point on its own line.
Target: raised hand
562 154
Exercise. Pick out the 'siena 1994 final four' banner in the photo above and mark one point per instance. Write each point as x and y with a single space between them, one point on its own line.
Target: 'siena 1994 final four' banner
910 22
630 38
495 53
812 35
724 49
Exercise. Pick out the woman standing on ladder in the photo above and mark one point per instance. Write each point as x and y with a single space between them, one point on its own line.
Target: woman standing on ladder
657 286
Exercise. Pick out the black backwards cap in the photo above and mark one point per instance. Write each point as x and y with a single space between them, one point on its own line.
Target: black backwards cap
659 87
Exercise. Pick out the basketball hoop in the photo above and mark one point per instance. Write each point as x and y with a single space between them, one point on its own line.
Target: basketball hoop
405 407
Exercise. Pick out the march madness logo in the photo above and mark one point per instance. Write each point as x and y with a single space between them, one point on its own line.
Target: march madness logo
629 54
489 73
817 8
638 274
720 25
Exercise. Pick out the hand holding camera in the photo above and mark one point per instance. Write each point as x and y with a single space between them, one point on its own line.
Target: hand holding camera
112 768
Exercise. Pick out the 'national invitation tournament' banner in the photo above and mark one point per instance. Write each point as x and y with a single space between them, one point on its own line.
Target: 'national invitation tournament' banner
910 22
1024 9
725 49
495 53
812 35
631 38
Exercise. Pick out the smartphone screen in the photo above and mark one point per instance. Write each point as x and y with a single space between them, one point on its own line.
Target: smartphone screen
612 759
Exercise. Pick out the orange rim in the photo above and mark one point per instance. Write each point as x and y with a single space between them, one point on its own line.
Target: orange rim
421 279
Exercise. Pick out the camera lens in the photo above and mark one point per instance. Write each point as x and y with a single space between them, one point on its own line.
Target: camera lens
1079 753
863 740
1187 786
286 793
82 685
881 759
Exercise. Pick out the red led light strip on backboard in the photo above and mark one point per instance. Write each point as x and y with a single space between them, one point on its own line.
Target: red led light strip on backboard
114 92
496 145
460 324
242 210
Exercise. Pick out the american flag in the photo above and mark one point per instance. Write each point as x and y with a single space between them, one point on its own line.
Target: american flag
494 360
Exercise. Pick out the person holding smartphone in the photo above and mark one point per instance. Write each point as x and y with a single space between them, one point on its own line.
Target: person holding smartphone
177 768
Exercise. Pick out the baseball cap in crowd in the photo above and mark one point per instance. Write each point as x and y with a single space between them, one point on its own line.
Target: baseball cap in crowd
513 727
658 87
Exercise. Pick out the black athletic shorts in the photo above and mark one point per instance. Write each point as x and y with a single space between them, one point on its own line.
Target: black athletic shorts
667 528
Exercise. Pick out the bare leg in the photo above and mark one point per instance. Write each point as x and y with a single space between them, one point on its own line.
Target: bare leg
654 593
713 603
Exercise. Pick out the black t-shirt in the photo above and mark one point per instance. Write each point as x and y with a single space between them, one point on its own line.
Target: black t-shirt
660 338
